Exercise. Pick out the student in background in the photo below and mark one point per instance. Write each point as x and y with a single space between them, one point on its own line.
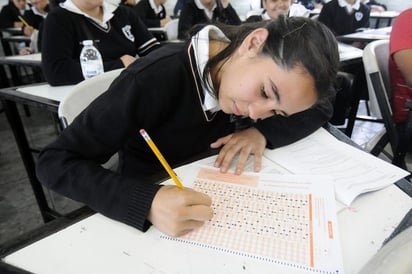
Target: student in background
279 73
205 11
152 13
118 32
9 14
35 17
345 16
128 3
400 66
273 8
374 5
178 7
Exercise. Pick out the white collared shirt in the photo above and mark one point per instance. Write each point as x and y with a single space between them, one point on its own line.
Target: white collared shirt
349 7
156 10
108 10
209 13
200 43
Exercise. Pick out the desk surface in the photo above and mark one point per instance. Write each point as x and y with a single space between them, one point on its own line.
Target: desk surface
368 35
29 59
100 245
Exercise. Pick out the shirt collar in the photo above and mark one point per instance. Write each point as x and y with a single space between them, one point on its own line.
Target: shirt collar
349 7
209 13
157 10
36 12
108 10
200 43
265 16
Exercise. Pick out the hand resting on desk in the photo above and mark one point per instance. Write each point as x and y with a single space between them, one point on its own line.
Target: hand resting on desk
177 211
244 143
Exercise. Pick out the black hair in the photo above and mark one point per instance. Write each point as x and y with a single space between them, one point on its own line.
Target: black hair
292 42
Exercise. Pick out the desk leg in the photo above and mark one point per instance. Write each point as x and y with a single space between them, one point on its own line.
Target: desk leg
16 125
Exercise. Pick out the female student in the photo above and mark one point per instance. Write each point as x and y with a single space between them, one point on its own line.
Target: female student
152 13
272 9
118 33
9 14
205 11
279 73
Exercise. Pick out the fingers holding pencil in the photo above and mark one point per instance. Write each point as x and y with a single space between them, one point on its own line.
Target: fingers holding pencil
176 211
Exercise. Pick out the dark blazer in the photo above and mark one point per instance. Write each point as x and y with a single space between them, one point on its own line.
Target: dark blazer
147 14
8 15
191 15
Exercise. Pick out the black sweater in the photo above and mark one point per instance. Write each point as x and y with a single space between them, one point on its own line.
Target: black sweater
63 32
147 14
158 93
340 21
8 15
192 15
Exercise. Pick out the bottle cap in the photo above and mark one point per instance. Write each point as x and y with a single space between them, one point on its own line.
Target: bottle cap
87 42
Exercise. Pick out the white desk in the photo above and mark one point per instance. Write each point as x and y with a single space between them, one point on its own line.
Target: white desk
368 35
29 59
41 96
100 245
349 53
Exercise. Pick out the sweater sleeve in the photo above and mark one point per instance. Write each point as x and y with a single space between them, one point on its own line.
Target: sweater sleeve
72 164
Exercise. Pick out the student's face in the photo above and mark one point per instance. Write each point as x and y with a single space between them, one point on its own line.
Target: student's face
39 4
253 85
20 4
274 8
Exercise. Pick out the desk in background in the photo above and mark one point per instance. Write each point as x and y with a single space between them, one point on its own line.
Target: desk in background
14 61
96 244
367 36
41 96
382 16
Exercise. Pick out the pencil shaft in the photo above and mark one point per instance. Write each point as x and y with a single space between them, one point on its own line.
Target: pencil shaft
162 160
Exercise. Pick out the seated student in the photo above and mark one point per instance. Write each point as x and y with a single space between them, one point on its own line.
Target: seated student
374 5
273 8
344 16
205 11
128 3
178 7
152 13
279 73
119 34
9 14
400 66
35 17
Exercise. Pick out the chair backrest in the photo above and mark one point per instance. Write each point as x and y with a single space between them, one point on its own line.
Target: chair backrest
171 29
83 94
376 59
376 63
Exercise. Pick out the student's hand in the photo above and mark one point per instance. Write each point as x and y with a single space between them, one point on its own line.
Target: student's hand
164 21
25 51
176 211
18 24
127 60
244 143
28 31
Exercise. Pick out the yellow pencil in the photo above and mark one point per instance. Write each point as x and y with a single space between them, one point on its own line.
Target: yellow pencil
161 158
24 22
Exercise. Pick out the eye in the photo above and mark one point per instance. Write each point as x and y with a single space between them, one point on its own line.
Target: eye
263 93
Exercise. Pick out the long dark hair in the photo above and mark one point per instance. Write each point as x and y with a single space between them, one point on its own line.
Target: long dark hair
292 42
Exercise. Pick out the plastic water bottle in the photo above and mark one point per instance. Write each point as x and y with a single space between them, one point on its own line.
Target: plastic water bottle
90 60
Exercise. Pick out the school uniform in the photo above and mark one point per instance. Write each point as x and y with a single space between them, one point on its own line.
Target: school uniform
163 94
35 19
295 10
121 32
9 14
149 13
193 13
343 18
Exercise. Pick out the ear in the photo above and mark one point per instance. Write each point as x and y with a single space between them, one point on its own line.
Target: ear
254 41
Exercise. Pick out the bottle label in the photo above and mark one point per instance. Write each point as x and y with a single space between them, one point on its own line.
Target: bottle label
91 69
